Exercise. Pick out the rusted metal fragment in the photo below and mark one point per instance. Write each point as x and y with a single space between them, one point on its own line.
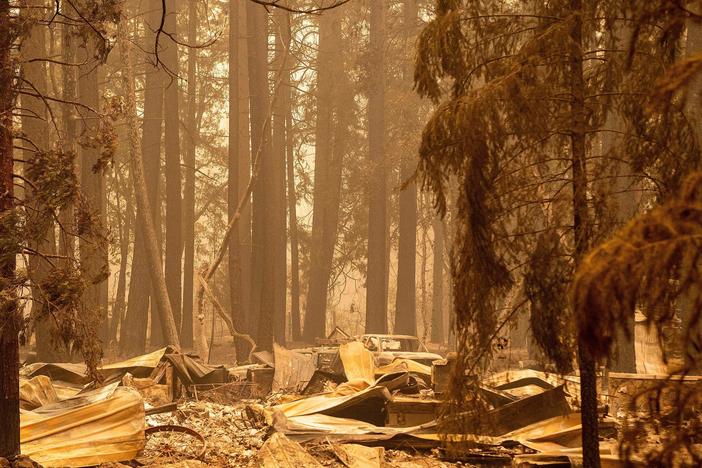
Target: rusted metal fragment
528 410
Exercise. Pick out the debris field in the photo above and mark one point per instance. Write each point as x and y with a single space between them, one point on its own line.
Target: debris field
330 405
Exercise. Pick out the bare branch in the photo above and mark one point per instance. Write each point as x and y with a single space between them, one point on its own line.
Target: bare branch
310 11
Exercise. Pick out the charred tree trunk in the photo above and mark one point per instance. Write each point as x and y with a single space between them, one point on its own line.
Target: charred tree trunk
93 251
581 226
234 258
174 214
133 337
246 167
437 295
125 217
146 222
406 299
9 333
125 220
327 174
422 284
292 226
376 289
262 255
315 315
286 97
186 332
238 172
281 109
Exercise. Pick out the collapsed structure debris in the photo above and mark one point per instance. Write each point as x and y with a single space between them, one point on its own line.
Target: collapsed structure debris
106 424
167 407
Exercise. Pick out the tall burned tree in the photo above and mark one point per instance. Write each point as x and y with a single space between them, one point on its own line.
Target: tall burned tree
262 253
437 295
529 95
11 318
93 251
169 329
376 277
133 337
186 329
174 214
327 173
295 316
286 97
235 254
281 110
125 218
406 298
239 169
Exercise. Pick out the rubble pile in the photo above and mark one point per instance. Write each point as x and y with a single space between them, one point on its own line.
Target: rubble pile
233 438
330 405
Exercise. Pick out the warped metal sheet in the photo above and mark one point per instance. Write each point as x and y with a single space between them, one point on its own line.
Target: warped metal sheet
36 392
80 399
523 383
351 387
562 433
515 378
322 426
99 430
326 425
556 437
546 428
406 365
149 360
192 371
292 369
497 397
394 381
72 373
76 373
367 405
264 357
358 362
529 410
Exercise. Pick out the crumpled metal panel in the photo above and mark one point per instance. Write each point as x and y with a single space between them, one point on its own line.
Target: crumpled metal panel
89 429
